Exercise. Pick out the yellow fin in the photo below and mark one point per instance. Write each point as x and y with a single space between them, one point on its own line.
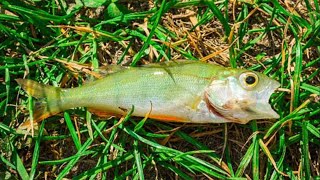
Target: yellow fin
36 89
49 100
103 114
167 118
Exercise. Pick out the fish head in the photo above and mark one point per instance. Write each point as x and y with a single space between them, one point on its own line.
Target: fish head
241 95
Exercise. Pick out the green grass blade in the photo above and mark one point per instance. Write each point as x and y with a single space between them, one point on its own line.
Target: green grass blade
65 160
175 170
126 157
297 74
245 161
83 148
36 152
19 164
313 130
215 10
256 152
305 151
137 157
137 57
72 130
6 128
206 167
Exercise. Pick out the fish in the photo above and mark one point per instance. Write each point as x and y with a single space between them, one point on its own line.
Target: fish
174 91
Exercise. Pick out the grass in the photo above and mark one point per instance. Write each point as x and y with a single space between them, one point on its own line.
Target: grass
63 43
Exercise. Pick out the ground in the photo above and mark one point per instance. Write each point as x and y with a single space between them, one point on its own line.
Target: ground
65 43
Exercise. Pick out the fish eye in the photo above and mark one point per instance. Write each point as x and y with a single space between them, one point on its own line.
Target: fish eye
248 80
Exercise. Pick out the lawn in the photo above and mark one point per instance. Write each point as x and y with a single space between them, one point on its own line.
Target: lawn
64 43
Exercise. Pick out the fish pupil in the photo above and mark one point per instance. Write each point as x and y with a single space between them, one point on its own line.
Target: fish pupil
250 80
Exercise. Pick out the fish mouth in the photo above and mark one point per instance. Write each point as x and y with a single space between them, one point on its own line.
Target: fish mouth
263 106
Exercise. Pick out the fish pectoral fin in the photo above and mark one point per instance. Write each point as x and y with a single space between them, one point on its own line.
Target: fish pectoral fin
194 104
103 114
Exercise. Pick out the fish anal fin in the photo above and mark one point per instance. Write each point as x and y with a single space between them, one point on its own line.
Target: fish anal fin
167 118
103 114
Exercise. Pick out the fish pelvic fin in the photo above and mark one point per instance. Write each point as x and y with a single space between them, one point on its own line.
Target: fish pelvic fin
49 100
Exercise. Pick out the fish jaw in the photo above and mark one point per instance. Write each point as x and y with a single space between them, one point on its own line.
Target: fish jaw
262 106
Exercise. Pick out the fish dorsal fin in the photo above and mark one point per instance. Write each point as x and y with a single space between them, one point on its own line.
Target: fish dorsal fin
104 71
110 69
168 63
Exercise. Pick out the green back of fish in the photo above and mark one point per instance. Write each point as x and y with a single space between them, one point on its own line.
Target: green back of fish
162 85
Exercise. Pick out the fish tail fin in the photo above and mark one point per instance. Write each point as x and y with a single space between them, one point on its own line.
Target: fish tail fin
49 100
